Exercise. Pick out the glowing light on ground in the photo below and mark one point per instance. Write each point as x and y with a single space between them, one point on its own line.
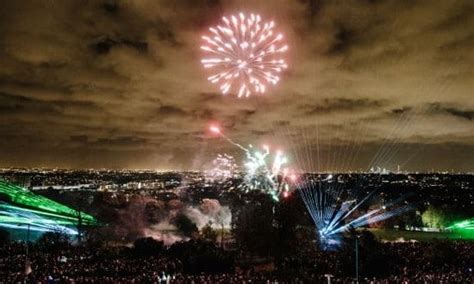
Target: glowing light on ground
464 229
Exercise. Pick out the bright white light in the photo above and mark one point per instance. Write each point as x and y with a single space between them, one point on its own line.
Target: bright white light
244 54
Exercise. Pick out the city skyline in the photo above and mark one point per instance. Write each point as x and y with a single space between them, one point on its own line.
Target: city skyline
119 84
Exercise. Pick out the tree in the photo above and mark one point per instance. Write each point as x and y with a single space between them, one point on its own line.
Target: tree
185 225
433 218
253 229
4 237
54 241
208 233
147 246
286 217
373 261
199 256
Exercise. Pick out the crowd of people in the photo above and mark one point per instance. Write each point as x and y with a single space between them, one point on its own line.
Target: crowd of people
425 262
410 263
81 264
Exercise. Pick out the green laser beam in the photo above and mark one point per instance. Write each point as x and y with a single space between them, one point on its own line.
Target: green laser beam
41 205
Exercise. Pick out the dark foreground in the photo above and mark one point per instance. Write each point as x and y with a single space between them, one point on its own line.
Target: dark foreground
202 262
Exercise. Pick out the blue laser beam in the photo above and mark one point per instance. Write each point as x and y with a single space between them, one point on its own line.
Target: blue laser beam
333 216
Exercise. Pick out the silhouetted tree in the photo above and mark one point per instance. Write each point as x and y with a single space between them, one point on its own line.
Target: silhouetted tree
198 256
285 220
185 225
208 233
4 237
54 241
147 247
253 229
373 260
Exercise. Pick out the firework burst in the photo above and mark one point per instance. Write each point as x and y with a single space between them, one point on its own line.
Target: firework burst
223 168
264 170
245 54
267 172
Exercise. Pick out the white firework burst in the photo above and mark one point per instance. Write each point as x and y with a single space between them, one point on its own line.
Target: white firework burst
245 54
223 168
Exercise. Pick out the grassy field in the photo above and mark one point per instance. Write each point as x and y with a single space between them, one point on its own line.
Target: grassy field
392 235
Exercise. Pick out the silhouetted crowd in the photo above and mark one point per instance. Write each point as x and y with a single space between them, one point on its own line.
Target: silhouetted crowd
408 263
428 263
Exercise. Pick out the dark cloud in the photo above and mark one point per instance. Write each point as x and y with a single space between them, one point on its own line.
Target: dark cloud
205 114
313 7
16 105
342 104
120 141
260 132
466 114
461 113
19 104
459 14
401 110
343 38
169 111
79 138
111 6
165 32
105 44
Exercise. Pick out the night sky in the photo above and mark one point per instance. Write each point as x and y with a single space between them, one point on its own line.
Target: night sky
119 84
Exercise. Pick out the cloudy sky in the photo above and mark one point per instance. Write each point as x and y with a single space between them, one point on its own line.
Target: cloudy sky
119 84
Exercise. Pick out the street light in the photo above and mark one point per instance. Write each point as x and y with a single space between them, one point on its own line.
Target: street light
27 259
328 277
357 257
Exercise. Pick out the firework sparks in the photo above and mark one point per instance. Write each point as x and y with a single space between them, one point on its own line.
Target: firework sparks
264 170
245 54
223 168
216 130
267 172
